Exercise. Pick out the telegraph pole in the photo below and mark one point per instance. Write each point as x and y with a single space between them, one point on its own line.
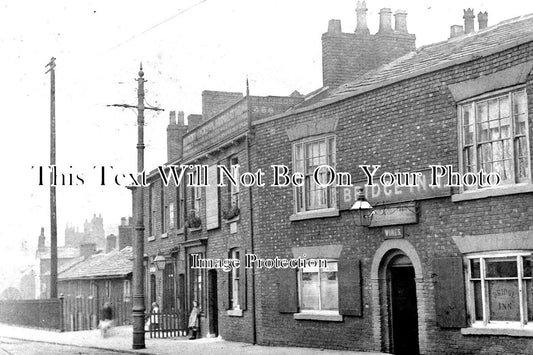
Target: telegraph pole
53 216
138 193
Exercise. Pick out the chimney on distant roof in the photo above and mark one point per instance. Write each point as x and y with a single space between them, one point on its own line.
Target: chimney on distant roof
175 133
40 245
361 10
88 249
483 19
469 20
385 20
456 31
334 26
400 21
111 243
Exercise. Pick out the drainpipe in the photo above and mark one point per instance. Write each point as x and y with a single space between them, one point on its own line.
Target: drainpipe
250 130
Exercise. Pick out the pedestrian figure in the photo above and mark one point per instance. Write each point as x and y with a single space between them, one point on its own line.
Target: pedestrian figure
194 322
154 317
106 319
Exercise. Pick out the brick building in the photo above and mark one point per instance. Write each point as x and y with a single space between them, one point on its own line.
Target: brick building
209 222
439 270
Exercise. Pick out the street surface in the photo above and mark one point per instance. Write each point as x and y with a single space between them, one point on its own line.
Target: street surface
24 347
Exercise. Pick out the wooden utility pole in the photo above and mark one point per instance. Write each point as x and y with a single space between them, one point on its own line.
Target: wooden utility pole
53 215
138 193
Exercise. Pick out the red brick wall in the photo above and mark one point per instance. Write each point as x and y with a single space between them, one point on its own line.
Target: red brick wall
406 126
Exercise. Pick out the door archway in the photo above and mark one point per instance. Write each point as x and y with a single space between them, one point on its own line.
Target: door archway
397 306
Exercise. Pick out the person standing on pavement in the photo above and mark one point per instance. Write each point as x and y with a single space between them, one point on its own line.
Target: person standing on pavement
106 319
194 322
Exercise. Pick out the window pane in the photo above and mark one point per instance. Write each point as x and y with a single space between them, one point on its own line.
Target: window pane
501 267
475 271
504 107
478 301
520 103
310 289
330 292
504 303
529 296
526 262
482 112
494 110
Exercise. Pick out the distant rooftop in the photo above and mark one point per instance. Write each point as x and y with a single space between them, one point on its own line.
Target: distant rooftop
113 264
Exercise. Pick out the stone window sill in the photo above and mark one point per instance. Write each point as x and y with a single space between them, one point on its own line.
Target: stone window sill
164 235
194 229
180 230
493 192
319 316
151 238
498 331
234 219
237 312
330 212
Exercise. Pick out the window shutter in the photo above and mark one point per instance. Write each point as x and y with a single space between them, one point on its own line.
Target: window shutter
287 290
243 282
450 292
350 295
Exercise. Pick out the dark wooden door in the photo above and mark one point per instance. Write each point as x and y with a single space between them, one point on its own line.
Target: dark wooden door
213 303
404 312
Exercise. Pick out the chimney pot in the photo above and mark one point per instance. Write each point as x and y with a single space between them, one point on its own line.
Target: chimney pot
400 21
334 26
385 20
361 10
456 31
181 118
172 117
469 20
483 19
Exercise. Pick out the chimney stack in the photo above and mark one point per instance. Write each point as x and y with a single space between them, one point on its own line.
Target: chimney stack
362 27
456 31
400 21
88 249
111 243
175 133
334 26
483 19
385 20
469 20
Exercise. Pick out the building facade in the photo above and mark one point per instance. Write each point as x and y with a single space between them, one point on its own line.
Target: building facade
443 267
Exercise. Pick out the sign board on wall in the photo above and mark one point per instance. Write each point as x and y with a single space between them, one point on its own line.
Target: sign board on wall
395 215
379 194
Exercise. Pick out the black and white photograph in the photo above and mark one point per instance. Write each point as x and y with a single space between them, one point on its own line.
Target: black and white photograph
266 177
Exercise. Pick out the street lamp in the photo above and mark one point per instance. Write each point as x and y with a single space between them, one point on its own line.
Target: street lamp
363 209
160 261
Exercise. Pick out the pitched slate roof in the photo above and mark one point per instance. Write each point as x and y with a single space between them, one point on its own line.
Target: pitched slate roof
65 265
113 264
426 59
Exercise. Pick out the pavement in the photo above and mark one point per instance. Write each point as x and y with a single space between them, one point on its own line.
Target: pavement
120 341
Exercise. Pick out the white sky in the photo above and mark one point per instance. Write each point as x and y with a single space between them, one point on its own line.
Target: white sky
212 46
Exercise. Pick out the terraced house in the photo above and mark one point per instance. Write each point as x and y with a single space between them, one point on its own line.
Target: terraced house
433 269
440 269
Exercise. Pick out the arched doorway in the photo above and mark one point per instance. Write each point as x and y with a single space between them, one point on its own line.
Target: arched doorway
396 272
403 306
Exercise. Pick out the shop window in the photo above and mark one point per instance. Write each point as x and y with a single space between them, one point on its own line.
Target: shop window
319 289
494 137
308 154
499 290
